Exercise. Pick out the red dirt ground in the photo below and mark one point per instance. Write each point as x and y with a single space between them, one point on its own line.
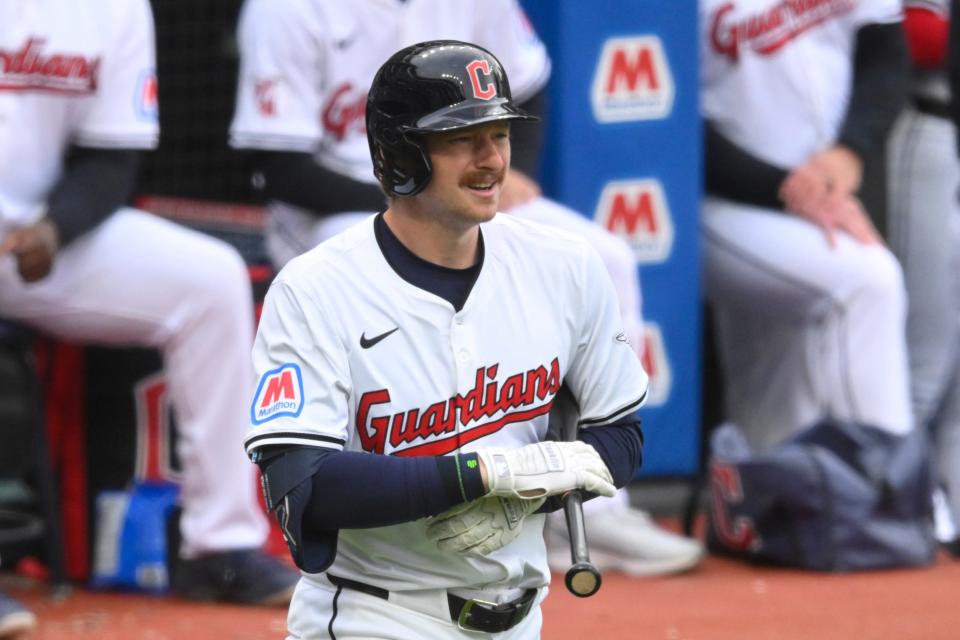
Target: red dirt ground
722 600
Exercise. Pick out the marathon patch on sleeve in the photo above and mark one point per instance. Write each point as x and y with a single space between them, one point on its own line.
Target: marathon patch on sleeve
280 393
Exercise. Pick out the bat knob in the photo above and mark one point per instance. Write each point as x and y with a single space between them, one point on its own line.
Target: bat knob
583 579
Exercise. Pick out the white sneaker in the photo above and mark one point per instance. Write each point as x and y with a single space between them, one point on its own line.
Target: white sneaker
623 539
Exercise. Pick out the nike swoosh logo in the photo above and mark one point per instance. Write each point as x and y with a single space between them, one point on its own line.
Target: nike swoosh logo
366 343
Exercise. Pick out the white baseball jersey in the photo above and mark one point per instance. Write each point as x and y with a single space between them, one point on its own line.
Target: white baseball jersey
351 356
776 74
307 66
59 86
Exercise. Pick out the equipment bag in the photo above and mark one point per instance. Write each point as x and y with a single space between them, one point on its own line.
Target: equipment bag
836 497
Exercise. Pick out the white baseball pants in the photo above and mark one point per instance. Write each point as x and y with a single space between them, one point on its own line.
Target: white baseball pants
140 280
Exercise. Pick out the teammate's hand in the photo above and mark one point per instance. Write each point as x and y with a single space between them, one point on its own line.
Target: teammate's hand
545 469
837 212
34 248
843 168
517 189
481 526
804 188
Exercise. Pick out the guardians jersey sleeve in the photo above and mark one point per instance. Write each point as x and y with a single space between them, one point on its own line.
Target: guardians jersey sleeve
123 112
303 379
504 29
879 11
605 375
278 95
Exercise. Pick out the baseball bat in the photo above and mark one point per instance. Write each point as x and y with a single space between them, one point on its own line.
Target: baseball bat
582 578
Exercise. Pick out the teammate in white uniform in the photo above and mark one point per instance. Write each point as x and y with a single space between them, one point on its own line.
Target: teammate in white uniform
305 69
407 366
809 304
924 231
78 99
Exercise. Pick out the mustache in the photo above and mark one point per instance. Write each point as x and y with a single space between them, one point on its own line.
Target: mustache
485 177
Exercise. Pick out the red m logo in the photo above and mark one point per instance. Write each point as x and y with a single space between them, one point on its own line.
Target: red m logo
633 71
279 388
631 211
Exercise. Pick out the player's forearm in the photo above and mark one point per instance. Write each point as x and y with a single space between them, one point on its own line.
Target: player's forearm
296 178
953 65
732 172
353 490
527 138
880 88
94 184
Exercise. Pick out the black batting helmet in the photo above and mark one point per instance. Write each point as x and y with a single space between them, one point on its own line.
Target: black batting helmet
429 87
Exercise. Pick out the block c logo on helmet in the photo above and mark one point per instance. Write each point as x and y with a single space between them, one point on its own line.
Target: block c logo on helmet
481 92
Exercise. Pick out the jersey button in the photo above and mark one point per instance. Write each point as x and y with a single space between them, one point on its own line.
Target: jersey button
458 320
463 355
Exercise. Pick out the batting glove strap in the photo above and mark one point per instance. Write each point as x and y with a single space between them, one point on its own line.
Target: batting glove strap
481 526
545 469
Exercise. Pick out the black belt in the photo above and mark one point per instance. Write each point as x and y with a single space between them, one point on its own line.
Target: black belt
933 107
474 615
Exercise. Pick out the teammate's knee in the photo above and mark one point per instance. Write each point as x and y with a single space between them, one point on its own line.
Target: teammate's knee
882 278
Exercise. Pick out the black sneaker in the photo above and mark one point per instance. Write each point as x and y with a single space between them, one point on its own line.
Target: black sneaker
15 619
247 576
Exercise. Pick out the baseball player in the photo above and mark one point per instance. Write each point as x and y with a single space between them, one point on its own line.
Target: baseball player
809 303
406 368
924 230
78 102
305 68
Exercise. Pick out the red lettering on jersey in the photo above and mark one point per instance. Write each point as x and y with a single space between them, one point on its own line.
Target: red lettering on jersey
740 533
770 30
633 72
631 213
30 69
279 388
648 359
486 399
345 108
481 91
265 93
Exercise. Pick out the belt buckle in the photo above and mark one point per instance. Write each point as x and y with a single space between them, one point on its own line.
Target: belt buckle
464 617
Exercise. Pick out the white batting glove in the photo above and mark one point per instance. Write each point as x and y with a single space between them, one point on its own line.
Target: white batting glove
481 526
545 469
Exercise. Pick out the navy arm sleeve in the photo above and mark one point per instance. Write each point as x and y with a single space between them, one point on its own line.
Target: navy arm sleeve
296 178
315 492
526 138
94 184
733 173
953 65
881 81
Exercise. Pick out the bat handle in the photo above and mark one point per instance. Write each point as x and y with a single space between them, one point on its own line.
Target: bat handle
583 578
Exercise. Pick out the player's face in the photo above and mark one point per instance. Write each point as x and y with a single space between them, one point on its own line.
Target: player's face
469 166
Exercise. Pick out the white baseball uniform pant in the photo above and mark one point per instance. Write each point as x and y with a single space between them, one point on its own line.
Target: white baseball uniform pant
293 231
924 229
804 331
321 610
139 280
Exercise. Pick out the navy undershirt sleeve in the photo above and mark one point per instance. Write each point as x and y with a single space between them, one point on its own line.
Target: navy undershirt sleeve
94 184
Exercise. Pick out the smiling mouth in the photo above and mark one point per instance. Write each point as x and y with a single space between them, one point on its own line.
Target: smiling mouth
483 186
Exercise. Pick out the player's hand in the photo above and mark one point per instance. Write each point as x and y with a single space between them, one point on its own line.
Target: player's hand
545 469
517 189
804 188
34 248
837 212
481 526
843 168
